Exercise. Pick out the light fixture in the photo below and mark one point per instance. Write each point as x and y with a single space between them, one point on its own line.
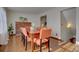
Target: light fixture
69 25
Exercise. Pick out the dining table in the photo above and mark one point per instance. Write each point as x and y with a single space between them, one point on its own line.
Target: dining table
33 34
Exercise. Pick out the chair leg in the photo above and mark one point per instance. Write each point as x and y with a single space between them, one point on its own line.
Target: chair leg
34 46
23 39
40 48
46 44
40 45
49 45
25 43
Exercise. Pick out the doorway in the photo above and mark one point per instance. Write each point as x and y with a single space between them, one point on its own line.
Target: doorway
68 24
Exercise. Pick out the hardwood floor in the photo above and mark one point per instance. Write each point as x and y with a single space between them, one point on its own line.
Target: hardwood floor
15 45
2 48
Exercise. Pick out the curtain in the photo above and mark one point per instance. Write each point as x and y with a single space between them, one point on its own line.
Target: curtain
3 27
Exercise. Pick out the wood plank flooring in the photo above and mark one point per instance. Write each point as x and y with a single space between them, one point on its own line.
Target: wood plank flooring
15 45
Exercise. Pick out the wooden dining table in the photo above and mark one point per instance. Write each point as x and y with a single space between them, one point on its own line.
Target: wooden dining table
33 35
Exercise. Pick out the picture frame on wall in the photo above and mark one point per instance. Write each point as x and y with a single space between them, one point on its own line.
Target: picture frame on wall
43 21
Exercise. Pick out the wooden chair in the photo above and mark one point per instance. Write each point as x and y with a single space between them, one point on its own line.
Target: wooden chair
54 43
25 36
44 34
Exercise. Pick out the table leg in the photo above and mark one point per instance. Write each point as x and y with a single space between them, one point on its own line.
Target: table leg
32 43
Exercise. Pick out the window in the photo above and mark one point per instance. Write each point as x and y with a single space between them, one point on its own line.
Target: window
3 27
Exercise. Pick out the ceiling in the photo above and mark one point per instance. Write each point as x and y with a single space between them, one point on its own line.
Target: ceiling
32 10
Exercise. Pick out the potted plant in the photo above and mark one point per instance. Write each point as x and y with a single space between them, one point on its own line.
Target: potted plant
10 29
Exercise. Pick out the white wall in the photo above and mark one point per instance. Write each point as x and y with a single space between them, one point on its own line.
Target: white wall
14 16
77 24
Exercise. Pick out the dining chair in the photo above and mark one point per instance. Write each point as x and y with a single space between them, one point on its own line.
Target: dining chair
25 36
56 44
44 34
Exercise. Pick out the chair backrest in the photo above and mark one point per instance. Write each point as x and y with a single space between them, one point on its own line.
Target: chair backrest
27 29
45 33
23 30
54 44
